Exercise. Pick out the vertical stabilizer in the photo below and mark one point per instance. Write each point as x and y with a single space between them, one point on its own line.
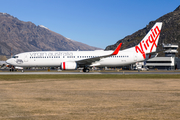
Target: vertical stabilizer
150 41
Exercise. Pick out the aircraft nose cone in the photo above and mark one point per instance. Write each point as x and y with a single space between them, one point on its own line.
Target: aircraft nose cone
9 61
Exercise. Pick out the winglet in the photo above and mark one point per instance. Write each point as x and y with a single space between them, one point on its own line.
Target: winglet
117 49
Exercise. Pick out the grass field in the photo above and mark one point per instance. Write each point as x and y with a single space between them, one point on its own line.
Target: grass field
86 76
88 97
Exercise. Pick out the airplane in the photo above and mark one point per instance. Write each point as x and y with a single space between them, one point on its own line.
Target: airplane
72 60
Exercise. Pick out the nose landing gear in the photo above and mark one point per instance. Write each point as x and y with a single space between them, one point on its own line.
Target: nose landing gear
11 68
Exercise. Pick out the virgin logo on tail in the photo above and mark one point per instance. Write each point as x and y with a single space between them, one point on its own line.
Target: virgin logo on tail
147 44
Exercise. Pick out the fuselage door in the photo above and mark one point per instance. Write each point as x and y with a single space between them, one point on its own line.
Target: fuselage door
26 58
135 56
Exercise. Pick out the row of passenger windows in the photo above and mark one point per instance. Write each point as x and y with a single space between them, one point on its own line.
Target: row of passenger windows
47 57
119 56
99 56
78 57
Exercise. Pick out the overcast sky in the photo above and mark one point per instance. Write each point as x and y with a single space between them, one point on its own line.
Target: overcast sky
97 23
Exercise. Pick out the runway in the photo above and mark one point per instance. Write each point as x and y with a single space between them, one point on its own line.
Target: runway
90 73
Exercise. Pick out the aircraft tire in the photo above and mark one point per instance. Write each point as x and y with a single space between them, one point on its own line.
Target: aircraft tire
86 70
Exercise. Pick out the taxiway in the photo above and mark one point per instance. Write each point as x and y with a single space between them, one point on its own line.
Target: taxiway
55 73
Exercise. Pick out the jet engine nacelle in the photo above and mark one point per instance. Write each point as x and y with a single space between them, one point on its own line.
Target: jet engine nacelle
69 65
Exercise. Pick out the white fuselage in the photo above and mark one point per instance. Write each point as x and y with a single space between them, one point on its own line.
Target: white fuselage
55 58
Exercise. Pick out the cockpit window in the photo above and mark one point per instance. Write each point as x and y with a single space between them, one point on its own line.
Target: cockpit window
15 57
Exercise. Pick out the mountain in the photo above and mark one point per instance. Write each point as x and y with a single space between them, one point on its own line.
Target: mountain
23 36
170 33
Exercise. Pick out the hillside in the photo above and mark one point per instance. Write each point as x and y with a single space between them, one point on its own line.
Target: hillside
170 33
23 36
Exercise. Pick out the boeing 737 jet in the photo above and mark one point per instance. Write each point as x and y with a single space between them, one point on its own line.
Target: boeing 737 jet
71 60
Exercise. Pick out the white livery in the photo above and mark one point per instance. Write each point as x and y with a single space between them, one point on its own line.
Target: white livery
71 60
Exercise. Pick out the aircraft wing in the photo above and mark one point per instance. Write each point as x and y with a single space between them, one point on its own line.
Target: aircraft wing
89 61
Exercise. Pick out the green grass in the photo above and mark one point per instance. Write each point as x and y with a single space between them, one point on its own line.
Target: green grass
142 76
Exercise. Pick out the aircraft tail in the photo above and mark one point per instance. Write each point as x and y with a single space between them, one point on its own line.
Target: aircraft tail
150 41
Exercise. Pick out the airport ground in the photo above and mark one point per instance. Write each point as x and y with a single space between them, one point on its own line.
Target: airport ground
54 71
88 97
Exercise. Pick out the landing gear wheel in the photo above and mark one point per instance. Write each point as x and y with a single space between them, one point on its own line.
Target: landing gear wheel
11 69
86 70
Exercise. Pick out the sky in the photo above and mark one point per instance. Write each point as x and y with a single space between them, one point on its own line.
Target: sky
98 23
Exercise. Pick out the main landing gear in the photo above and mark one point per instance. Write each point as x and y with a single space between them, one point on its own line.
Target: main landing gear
86 70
